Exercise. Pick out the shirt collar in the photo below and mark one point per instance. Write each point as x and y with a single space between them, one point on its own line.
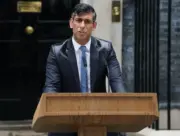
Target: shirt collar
77 45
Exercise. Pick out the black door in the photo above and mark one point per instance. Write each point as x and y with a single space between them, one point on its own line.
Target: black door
25 39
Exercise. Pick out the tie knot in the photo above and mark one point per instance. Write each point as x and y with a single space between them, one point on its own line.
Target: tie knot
83 48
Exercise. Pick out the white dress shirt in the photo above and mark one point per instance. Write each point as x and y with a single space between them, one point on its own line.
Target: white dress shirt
78 58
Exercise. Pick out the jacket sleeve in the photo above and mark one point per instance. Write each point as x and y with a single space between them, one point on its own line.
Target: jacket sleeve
52 79
115 74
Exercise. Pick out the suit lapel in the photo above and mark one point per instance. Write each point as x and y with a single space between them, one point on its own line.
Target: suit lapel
94 57
73 62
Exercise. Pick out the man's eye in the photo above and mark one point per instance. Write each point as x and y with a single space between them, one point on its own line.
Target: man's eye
79 20
87 21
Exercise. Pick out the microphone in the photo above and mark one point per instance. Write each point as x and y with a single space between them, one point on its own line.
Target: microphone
84 61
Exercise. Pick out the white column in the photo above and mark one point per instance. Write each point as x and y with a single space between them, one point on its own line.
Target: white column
116 35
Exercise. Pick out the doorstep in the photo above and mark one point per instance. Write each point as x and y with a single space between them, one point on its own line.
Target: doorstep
18 128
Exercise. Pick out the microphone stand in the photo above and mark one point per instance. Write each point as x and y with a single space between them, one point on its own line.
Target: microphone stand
109 88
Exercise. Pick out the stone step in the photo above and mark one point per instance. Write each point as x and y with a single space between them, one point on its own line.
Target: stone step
20 133
18 128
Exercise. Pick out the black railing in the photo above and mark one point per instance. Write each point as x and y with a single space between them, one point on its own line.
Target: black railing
146 45
169 66
147 18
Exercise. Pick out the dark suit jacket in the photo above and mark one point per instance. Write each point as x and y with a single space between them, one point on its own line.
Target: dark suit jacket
62 71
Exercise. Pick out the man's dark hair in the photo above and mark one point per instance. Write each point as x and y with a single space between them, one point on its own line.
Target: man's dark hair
84 8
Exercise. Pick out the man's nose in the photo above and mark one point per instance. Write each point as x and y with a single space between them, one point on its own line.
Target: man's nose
82 24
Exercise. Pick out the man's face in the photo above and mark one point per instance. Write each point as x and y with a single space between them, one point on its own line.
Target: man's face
82 26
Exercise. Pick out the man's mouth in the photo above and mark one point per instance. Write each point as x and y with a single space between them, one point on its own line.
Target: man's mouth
81 32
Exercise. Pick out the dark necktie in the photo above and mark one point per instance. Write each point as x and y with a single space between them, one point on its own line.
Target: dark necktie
84 85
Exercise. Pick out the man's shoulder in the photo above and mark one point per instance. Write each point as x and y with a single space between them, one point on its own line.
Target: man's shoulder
103 41
60 45
103 44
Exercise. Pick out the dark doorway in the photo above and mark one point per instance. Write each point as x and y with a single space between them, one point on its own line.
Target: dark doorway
23 56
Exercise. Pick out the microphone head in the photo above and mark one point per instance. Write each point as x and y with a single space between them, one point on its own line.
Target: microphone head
84 62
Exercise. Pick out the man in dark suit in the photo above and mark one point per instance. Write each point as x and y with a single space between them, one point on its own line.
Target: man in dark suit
82 62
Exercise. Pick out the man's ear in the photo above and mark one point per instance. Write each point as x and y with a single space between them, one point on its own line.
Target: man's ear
71 23
94 25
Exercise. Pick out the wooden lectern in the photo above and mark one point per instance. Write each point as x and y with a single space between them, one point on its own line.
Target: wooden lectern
93 114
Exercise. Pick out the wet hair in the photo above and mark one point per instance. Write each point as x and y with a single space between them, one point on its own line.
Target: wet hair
83 8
